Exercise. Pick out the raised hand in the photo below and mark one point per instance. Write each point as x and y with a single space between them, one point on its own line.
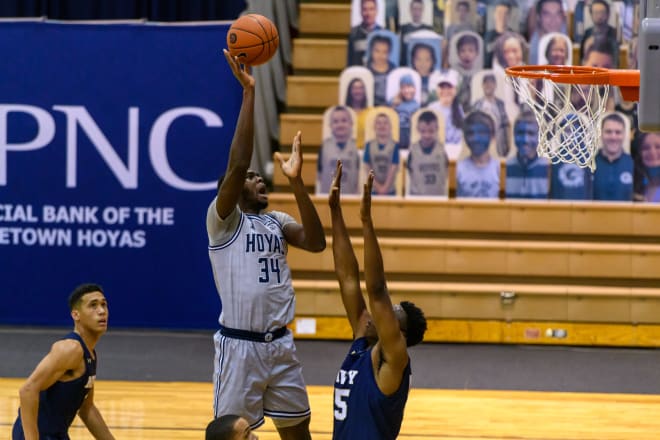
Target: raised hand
291 167
365 205
335 187
241 72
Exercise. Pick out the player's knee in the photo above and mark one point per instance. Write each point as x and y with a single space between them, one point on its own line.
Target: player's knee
296 422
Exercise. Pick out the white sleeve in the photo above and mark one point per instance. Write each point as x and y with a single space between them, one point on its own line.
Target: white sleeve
283 218
220 230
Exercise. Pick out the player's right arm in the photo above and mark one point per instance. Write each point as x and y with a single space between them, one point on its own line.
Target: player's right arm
240 153
392 350
65 355
346 265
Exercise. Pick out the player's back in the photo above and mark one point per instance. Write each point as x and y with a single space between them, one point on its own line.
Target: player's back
361 410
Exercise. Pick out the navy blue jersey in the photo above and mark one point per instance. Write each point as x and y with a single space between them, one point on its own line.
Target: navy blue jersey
361 410
570 182
59 404
613 180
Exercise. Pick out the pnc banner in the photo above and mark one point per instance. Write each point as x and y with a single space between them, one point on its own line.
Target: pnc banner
112 138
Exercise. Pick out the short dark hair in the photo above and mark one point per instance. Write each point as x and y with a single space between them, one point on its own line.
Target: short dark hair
477 116
467 39
423 46
540 3
380 39
614 117
340 108
526 115
416 323
427 117
602 2
221 428
80 291
489 77
604 45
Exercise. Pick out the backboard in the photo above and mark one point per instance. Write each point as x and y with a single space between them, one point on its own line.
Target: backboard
649 66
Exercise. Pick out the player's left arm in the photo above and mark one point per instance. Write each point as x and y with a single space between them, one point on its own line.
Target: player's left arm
92 418
309 235
346 265
391 342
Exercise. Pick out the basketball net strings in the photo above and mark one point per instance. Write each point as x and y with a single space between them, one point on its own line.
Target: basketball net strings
569 118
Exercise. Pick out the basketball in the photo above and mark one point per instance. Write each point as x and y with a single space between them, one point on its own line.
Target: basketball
253 39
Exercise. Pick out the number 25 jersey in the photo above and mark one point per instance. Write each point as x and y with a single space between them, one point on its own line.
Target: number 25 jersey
361 410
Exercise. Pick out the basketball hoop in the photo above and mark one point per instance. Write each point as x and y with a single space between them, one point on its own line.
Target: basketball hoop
569 105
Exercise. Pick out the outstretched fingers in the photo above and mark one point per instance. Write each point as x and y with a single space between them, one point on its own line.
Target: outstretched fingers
365 206
279 158
335 186
232 61
295 160
369 184
291 167
297 139
240 71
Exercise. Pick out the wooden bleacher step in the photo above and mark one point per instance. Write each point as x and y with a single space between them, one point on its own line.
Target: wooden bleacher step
325 18
498 301
310 125
320 54
499 313
502 258
543 220
312 92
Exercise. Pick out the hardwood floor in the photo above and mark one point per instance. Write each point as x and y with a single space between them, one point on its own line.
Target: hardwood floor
181 410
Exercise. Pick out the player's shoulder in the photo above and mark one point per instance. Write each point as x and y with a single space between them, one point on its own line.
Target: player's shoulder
280 217
68 348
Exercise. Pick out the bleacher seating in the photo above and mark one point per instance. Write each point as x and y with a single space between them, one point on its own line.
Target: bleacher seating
483 270
281 183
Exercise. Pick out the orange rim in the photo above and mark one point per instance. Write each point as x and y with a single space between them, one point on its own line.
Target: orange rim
577 74
626 79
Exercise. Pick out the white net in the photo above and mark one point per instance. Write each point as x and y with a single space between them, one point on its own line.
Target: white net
569 117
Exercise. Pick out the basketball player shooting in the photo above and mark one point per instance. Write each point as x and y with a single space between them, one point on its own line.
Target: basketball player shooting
257 372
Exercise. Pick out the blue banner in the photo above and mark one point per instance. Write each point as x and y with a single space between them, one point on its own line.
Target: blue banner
112 137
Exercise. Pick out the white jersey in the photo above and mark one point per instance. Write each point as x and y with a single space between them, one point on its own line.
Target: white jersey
248 257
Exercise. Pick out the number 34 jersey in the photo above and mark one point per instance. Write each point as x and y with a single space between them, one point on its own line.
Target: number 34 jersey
248 257
361 410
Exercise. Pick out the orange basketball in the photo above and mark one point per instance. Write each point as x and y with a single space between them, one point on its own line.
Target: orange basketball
253 39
